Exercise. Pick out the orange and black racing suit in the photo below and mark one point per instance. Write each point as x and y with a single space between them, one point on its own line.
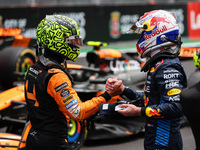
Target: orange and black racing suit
51 100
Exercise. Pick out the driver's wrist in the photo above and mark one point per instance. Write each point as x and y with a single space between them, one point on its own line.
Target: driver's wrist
138 111
106 95
124 91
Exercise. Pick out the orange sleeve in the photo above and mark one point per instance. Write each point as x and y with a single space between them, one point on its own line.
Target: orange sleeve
60 88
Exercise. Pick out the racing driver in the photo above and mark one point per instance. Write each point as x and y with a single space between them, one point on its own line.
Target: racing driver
160 43
50 98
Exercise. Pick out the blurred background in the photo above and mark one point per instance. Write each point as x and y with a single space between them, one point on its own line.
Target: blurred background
86 2
102 20
98 20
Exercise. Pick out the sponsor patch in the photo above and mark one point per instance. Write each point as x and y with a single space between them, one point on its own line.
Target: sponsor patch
68 98
152 112
172 84
64 93
175 98
105 106
169 71
147 88
171 76
73 108
62 86
76 113
34 70
146 100
72 103
173 92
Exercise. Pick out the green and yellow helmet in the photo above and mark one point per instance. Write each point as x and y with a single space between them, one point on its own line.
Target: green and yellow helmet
61 35
196 59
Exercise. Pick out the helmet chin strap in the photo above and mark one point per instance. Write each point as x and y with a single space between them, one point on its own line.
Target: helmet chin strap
39 50
65 63
155 48
154 52
168 52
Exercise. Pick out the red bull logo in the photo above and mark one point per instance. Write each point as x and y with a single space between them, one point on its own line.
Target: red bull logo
146 100
152 112
157 20
155 32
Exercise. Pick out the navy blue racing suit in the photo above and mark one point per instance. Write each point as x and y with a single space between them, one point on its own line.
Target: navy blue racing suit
165 81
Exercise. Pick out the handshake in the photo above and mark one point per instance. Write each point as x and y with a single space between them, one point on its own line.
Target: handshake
114 87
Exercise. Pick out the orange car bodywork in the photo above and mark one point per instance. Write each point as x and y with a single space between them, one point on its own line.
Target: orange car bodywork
13 94
14 142
10 31
9 141
19 40
109 53
188 52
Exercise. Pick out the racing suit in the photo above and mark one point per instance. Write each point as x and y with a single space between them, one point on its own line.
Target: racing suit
162 109
51 100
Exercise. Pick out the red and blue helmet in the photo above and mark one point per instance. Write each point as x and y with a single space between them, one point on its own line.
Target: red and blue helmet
155 26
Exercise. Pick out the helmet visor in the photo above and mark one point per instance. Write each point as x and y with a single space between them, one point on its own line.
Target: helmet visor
75 40
137 28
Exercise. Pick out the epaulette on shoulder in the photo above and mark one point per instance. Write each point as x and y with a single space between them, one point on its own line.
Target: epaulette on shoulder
55 70
159 63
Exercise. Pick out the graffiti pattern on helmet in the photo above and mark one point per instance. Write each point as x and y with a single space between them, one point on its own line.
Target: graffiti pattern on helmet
50 34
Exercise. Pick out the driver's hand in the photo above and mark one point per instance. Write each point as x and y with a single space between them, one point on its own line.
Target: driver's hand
114 86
